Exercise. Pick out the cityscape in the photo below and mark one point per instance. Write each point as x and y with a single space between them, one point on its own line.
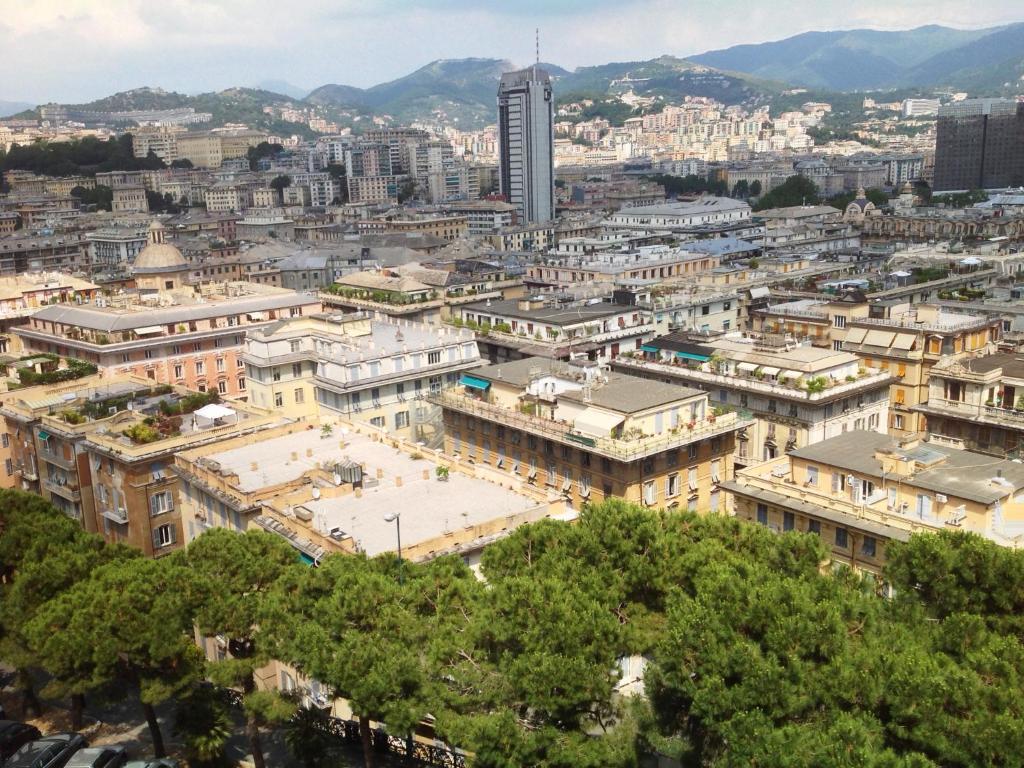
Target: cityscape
656 411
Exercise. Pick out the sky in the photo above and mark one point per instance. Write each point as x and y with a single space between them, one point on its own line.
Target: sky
73 51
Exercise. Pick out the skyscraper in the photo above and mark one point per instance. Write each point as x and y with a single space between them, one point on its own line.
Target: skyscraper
979 145
526 143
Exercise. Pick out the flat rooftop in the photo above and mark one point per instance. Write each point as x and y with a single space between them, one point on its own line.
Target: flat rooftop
561 314
429 508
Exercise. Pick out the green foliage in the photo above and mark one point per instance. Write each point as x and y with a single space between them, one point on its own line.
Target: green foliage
80 157
260 151
183 162
796 190
100 196
843 199
75 369
689 185
189 403
278 183
202 721
142 433
308 737
960 199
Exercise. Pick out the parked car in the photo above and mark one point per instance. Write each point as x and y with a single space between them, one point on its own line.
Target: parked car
98 757
159 762
13 736
52 751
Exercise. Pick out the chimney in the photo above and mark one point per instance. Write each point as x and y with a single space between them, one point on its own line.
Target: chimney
380 473
253 466
309 453
398 481
295 455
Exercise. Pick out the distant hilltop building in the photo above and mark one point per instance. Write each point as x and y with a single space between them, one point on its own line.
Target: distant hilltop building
980 145
526 143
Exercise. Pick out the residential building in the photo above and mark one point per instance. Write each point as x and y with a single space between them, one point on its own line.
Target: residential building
447 228
908 345
512 329
823 322
977 403
183 335
676 216
102 449
358 368
113 249
526 143
23 295
860 490
484 217
45 252
331 491
161 140
646 262
592 434
979 145
797 395
129 199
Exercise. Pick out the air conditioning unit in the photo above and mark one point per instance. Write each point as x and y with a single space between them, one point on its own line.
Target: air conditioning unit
941 498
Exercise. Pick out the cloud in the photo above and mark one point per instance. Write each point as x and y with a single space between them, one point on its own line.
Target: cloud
77 50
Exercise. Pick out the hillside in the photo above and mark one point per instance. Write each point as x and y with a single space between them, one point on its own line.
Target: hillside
860 59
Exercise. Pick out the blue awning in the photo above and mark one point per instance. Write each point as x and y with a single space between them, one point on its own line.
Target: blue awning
692 356
474 382
304 558
648 348
44 435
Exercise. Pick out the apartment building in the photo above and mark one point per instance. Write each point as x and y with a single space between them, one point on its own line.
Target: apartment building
797 394
860 490
447 228
129 199
358 368
908 345
696 308
511 329
192 338
591 434
647 262
681 215
824 323
54 252
161 140
330 489
22 295
484 217
101 450
113 249
977 403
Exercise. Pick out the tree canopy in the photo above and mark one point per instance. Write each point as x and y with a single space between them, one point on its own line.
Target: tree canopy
79 157
796 190
754 652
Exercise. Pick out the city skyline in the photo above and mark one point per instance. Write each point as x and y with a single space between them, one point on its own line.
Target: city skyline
79 51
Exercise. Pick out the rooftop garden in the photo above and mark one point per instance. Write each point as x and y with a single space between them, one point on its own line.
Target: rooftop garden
381 297
50 373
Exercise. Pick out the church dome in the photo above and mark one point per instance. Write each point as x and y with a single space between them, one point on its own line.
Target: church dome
159 256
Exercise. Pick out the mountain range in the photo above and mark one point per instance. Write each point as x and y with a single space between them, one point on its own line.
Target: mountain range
983 60
462 91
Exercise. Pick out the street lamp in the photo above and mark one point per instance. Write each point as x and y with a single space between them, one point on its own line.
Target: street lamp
396 518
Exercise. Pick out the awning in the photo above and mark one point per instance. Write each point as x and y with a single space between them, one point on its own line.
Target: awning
879 338
596 422
692 356
759 293
148 330
748 367
856 335
44 435
214 411
791 375
257 315
903 341
649 348
767 370
474 382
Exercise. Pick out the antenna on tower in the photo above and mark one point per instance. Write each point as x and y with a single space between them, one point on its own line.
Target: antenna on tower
537 31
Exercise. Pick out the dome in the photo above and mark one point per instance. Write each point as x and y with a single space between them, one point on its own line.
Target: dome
159 256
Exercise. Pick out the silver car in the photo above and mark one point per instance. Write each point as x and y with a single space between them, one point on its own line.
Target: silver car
98 757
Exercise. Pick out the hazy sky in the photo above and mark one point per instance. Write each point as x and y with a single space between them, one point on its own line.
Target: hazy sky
77 50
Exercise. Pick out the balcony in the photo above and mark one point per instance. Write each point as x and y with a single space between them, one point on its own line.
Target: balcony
57 459
989 414
619 449
118 515
739 380
63 488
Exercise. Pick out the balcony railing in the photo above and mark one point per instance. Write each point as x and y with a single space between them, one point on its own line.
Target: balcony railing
991 414
948 324
63 488
740 381
620 449
909 523
117 515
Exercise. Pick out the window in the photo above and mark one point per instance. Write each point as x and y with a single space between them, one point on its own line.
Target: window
401 420
692 478
400 390
176 349
433 358
713 503
293 345
300 395
814 526
375 396
278 399
296 370
8 467
164 536
837 346
897 421
672 485
179 372
276 376
691 450
241 382
649 492
552 473
899 396
838 482
787 521
162 502
869 546
839 321
762 514
435 384
812 476
148 354
842 538
220 365
5 440
377 421
793 410
222 387
239 363
200 368
716 467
